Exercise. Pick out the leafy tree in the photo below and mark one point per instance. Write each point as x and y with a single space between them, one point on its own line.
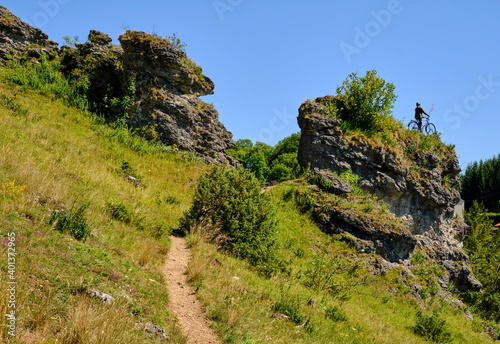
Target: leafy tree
257 160
482 244
269 163
289 145
364 102
230 200
284 167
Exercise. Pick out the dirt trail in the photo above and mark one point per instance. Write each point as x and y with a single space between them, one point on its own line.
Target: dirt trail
183 302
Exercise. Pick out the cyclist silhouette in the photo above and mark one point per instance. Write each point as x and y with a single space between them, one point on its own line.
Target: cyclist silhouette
419 112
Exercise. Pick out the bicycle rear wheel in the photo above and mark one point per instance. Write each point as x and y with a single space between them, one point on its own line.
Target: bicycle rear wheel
413 125
430 129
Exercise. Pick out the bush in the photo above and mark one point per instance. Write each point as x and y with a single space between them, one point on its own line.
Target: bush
72 222
230 200
432 328
304 199
364 103
120 212
336 314
482 244
46 77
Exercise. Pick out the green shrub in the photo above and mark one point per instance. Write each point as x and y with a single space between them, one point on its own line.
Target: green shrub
172 200
364 103
71 221
46 77
289 193
127 168
120 212
305 199
432 327
230 200
336 314
11 103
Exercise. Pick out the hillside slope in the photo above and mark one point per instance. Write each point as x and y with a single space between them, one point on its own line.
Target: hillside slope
57 160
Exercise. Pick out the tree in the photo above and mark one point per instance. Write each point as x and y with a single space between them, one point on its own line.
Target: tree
266 162
482 244
363 102
481 181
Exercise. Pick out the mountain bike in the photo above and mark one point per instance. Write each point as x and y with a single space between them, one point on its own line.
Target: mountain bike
427 127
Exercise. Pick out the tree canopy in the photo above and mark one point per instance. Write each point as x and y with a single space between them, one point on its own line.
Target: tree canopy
266 162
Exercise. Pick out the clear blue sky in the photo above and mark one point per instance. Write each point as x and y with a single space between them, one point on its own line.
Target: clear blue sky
267 57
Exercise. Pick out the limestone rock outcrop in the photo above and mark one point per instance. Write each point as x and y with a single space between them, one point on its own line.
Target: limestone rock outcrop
168 86
419 187
18 36
157 85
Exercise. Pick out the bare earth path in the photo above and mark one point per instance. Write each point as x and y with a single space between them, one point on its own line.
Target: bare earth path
183 302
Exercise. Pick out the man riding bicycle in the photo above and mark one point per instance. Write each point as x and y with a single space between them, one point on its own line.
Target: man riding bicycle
419 112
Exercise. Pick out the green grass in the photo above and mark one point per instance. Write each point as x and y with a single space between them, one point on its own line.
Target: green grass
56 159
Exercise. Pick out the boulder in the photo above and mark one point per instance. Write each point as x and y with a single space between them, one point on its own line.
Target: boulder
99 37
153 330
331 182
106 298
168 86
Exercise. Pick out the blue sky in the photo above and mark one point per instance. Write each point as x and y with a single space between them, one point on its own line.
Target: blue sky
266 58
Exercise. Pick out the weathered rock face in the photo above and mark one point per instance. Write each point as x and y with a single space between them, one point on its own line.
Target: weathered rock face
420 188
17 36
168 86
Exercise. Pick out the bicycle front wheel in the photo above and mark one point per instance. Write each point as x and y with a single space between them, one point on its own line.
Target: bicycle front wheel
430 129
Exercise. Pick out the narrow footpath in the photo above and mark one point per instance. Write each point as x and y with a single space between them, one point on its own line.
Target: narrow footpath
183 302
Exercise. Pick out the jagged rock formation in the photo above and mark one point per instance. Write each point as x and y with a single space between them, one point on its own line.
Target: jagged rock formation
17 36
155 83
420 188
168 87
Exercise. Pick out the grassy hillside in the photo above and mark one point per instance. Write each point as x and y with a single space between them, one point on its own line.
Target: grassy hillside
59 163
329 294
57 159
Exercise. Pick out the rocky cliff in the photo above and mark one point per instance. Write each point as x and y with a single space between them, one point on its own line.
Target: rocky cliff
154 82
415 176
